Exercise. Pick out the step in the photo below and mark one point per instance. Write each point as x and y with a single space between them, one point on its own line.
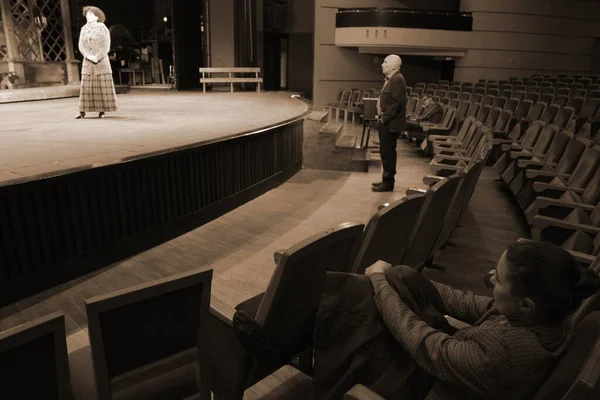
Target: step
331 128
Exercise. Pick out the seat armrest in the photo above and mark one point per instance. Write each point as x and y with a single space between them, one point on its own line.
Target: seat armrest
541 186
582 257
520 155
532 174
431 179
528 163
439 157
441 138
277 256
439 167
543 202
382 206
411 191
222 312
543 222
360 392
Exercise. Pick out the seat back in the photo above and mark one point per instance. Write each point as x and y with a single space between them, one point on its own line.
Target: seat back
523 109
387 233
288 308
586 167
577 103
533 97
563 116
453 94
536 111
492 116
411 104
488 100
465 190
558 146
33 360
448 117
512 104
462 109
132 329
550 113
429 222
464 128
560 100
455 103
531 135
592 303
571 378
572 154
544 139
473 109
483 113
590 108
370 108
464 96
500 102
503 121
591 193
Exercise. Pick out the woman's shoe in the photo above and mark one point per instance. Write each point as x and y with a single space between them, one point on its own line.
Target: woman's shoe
81 115
101 115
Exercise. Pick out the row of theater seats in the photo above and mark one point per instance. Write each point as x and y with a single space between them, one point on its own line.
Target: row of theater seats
555 175
159 332
152 338
572 116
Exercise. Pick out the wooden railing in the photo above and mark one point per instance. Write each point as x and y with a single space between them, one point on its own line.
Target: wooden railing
231 79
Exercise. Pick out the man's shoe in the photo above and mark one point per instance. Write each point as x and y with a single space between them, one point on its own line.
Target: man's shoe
376 183
383 188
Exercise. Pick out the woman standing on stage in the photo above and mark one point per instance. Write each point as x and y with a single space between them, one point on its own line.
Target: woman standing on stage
97 88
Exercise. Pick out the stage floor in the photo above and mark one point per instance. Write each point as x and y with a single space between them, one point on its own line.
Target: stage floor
44 138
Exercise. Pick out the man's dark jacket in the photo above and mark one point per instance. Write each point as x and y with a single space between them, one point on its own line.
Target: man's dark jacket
393 103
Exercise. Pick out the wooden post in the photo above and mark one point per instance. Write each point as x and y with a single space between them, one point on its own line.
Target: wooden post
9 33
71 61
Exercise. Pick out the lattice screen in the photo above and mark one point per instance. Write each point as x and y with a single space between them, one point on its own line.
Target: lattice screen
53 39
36 43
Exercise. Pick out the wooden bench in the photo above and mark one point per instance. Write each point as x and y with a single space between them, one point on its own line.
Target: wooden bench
231 79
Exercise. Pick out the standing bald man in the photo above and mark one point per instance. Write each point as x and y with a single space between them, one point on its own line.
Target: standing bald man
391 115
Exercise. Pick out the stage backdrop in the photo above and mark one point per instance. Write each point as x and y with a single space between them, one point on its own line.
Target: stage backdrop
188 42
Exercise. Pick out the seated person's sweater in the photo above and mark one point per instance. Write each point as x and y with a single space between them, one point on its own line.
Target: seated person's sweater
490 360
433 114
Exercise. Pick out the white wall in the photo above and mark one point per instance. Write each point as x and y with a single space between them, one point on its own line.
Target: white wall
525 37
222 34
336 67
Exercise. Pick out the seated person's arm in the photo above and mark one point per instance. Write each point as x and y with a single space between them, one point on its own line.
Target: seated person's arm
475 365
398 98
467 307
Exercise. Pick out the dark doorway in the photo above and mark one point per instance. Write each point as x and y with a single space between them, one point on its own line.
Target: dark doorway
447 72
272 60
189 42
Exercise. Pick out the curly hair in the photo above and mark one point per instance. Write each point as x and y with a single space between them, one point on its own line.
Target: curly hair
551 277
96 11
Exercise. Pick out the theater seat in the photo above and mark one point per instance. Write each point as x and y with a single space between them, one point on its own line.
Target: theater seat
575 377
284 313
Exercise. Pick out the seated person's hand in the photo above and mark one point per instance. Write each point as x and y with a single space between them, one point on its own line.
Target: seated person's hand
380 267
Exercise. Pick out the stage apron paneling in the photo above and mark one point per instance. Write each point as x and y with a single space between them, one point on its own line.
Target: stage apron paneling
59 228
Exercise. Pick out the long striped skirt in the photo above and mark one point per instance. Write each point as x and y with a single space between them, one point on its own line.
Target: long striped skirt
97 93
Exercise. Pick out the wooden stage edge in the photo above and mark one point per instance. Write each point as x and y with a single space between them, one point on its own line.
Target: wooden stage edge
66 224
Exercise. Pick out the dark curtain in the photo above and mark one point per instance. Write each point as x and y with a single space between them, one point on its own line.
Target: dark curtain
188 49
245 36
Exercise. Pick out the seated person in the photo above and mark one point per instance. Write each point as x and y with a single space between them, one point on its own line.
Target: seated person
516 338
431 112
